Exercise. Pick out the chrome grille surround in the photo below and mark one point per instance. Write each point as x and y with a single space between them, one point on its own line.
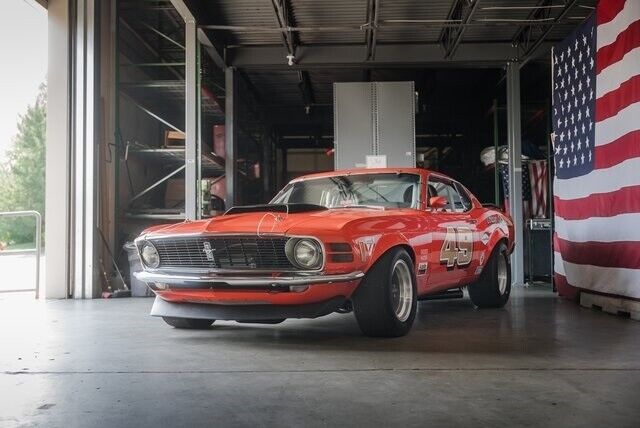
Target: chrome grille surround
224 253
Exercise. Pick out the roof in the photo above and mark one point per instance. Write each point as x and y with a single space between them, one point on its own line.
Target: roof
452 27
290 52
362 171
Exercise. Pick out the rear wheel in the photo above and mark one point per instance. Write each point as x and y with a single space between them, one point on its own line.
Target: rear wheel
385 303
188 323
494 285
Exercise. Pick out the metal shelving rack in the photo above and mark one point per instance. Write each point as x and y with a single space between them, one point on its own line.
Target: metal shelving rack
162 60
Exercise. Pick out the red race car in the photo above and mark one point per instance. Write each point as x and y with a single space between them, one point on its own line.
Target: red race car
371 241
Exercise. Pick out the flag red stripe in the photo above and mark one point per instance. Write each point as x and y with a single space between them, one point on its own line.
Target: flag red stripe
626 41
611 103
610 204
621 254
564 288
612 9
625 147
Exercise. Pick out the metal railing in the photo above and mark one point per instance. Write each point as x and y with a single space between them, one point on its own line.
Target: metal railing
38 217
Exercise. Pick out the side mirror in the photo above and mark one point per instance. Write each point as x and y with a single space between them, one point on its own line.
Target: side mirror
438 202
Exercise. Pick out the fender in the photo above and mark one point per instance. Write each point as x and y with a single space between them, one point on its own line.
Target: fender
384 243
498 228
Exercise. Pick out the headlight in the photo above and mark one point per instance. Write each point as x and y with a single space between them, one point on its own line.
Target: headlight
304 253
150 255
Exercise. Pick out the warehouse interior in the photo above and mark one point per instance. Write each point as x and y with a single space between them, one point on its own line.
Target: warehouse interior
283 125
162 111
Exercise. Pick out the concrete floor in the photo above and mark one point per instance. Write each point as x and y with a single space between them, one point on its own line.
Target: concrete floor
540 361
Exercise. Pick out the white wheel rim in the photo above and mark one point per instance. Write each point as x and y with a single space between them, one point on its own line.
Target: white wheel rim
401 290
502 275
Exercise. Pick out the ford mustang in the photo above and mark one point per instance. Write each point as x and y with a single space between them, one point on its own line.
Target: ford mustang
368 241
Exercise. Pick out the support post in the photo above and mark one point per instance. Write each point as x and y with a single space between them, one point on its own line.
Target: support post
231 137
515 170
496 143
58 157
191 121
85 137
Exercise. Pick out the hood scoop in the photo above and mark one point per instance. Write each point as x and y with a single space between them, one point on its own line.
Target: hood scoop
276 208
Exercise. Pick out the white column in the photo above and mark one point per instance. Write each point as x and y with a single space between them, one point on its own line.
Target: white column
191 175
515 170
58 162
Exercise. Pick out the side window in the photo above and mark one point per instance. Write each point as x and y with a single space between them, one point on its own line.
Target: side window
441 187
465 200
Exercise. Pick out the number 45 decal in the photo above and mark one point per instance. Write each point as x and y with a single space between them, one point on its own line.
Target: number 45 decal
457 247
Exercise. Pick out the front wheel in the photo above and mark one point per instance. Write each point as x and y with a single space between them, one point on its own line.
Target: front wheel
385 304
494 285
188 323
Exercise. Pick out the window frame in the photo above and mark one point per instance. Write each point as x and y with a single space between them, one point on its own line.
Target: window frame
462 190
456 186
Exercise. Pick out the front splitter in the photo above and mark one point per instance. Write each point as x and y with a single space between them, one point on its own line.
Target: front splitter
163 308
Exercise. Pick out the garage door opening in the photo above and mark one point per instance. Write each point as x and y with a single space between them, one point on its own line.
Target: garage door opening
23 28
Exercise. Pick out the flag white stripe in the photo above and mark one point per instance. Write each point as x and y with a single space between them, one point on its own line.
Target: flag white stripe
623 227
614 127
604 180
599 278
607 33
616 74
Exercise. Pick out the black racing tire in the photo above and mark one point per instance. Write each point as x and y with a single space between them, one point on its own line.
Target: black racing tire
385 303
188 323
493 288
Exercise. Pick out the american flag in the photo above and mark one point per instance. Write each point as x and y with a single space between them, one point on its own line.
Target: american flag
538 174
534 188
596 121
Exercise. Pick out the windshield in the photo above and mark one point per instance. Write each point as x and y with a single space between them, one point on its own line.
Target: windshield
388 190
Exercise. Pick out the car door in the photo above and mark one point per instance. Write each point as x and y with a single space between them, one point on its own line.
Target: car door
463 206
452 234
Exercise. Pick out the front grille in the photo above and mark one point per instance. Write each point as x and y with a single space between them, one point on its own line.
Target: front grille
224 252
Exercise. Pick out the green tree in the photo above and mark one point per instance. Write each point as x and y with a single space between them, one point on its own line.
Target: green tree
22 173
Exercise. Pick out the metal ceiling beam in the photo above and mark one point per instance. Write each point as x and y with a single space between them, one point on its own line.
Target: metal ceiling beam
373 9
454 16
211 50
470 10
405 55
418 24
531 51
281 20
541 11
290 42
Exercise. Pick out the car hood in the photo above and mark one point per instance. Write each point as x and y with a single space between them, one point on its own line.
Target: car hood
280 223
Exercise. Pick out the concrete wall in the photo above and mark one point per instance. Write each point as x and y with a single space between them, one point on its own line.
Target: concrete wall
57 153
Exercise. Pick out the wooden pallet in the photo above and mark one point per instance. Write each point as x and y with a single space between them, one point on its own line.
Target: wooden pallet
612 305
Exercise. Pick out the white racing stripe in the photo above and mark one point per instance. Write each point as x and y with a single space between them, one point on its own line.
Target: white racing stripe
616 74
614 127
623 227
603 180
607 33
619 281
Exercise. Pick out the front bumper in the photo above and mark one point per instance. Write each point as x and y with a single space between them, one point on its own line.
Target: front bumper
256 312
192 281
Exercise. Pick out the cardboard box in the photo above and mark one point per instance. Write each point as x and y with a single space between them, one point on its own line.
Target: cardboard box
218 141
174 195
174 139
